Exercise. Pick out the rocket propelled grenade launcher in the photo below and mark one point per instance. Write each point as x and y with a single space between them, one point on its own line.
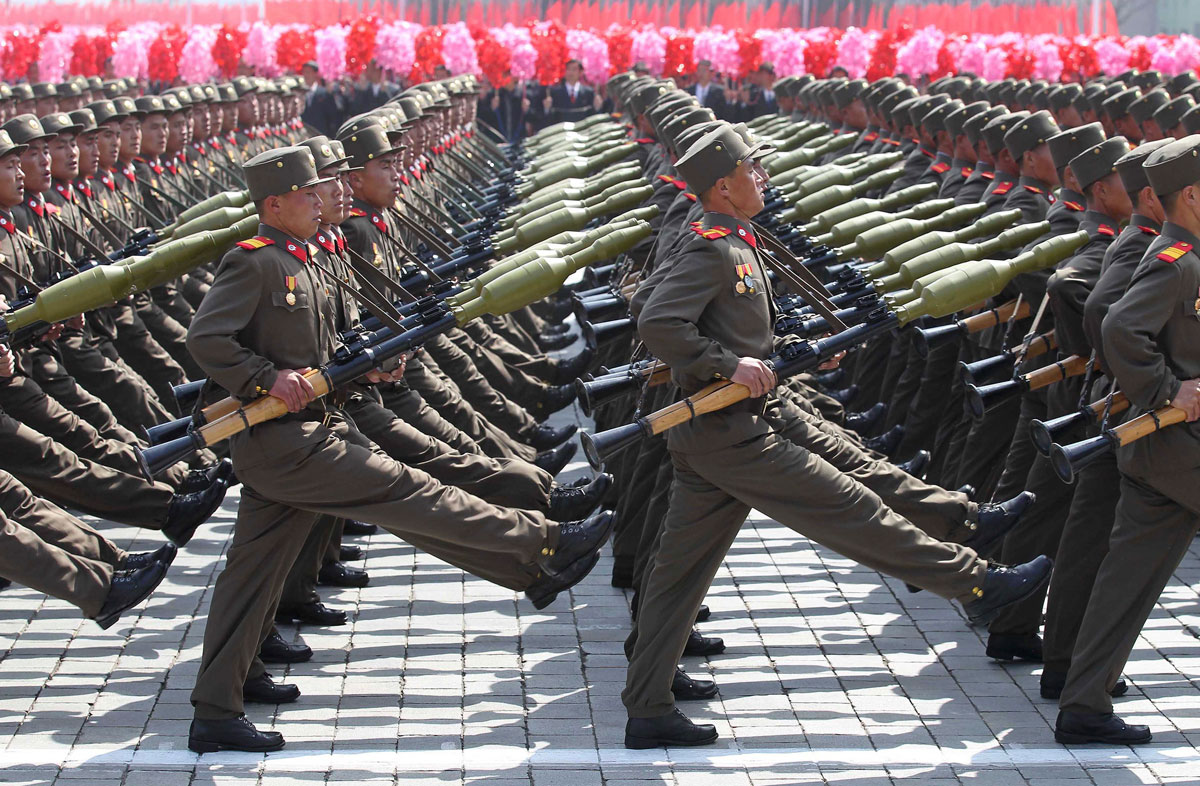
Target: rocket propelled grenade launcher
960 288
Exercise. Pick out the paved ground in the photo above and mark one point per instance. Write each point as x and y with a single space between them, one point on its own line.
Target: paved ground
832 674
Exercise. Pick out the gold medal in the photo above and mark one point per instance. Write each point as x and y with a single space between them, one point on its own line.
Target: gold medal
290 298
740 288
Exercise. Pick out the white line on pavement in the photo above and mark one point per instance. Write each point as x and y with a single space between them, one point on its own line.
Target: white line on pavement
498 757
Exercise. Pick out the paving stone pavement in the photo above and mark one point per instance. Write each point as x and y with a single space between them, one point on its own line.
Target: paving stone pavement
833 674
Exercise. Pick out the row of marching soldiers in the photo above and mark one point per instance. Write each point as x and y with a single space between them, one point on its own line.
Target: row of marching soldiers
101 175
1045 422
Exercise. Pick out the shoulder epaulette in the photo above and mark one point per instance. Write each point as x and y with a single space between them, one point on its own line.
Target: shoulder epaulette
988 175
1003 188
255 243
713 233
870 137
666 179
1173 253
690 196
1073 206
941 167
1104 229
1034 189
929 153
1148 230
646 140
357 212
966 171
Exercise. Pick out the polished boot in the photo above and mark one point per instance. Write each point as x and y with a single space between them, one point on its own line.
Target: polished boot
570 369
1004 585
351 553
276 650
144 559
864 423
264 690
200 479
703 645
687 688
546 437
186 512
845 395
555 459
671 730
1011 646
569 503
128 590
996 519
355 527
231 734
315 613
337 574
916 465
887 442
1078 728
550 342
578 551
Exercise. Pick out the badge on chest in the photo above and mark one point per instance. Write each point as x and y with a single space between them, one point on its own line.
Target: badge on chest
290 283
745 279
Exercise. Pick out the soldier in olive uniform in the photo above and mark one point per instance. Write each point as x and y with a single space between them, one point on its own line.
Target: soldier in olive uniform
711 318
1152 346
266 320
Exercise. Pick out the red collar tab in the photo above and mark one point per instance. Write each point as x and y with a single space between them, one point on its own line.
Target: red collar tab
66 191
871 137
1148 230
37 207
1104 229
404 178
1078 208
1173 253
84 188
646 140
1034 189
966 171
379 223
107 180
941 167
1003 188
298 250
326 242
7 225
255 243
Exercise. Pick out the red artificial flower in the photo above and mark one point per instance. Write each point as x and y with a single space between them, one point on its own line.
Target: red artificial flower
294 48
163 57
494 60
227 50
89 54
883 56
550 41
360 44
680 58
750 52
1020 64
21 53
819 57
428 48
1139 57
620 45
945 61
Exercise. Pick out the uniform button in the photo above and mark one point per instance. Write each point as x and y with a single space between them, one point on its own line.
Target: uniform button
545 552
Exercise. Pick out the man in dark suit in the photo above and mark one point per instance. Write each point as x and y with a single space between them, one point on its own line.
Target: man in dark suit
708 92
323 109
505 110
372 91
571 100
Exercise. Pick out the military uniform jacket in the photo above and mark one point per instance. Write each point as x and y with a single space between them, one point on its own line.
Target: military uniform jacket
1121 259
997 191
148 175
34 218
1070 285
915 166
937 170
960 170
974 186
1152 343
267 310
711 308
1032 197
370 233
1066 213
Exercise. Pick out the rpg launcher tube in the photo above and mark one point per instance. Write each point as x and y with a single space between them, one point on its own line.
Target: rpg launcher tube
1067 460
827 219
1046 433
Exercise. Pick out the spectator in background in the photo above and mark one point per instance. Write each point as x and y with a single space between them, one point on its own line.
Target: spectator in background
371 90
708 92
756 97
571 99
323 108
504 108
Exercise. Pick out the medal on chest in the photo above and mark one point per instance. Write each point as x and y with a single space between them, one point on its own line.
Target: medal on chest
1196 307
745 279
378 257
290 283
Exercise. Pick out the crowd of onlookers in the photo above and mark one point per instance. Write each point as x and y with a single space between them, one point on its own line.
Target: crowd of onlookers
521 108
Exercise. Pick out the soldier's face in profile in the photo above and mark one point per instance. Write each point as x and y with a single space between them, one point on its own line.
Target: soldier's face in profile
131 137
332 194
88 154
378 183
177 131
12 181
744 188
64 157
154 135
298 212
35 163
108 144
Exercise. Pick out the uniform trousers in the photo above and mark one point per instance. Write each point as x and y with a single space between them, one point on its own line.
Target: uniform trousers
1156 522
713 492
295 469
